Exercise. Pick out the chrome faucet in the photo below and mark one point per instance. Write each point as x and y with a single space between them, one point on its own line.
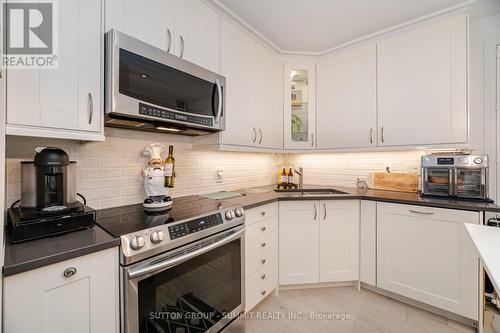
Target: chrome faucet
301 176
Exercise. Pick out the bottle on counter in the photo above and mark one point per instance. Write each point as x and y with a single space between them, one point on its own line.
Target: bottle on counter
284 178
290 176
169 167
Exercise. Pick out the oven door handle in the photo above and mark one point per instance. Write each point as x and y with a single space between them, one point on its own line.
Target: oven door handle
219 107
162 265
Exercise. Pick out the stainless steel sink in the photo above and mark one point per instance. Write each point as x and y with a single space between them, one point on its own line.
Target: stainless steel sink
313 191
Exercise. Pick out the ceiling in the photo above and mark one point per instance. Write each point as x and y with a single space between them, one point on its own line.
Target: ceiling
318 25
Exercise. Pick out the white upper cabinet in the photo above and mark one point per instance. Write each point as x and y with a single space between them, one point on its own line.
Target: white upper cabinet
197 33
152 23
422 85
64 102
299 117
347 99
267 107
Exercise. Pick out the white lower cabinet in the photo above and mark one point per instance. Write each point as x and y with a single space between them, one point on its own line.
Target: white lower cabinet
368 243
261 253
318 241
45 300
425 254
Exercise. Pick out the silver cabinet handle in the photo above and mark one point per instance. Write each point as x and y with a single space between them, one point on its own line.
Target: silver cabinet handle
382 134
324 209
169 44
315 212
260 132
420 212
254 134
312 140
91 108
371 135
69 272
219 107
182 46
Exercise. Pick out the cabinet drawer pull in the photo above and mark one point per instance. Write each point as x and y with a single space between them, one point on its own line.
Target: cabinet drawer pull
69 272
419 212
263 292
263 213
263 261
263 245
91 108
263 229
263 277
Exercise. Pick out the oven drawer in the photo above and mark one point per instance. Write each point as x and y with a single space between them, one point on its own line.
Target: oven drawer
261 228
260 285
261 260
260 213
261 244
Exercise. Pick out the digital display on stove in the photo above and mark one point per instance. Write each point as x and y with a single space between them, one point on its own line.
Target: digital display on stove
186 228
445 161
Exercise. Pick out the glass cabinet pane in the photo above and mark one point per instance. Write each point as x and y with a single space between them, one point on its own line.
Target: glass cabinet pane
300 105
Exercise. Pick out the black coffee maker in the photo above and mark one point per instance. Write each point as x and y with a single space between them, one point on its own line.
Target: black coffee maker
48 202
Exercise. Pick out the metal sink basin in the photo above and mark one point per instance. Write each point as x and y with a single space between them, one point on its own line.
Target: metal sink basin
313 191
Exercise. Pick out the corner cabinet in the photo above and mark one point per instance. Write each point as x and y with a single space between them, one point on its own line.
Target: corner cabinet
299 103
65 102
425 254
318 241
422 85
79 295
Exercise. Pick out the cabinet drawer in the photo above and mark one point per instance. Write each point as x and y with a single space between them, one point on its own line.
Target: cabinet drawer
67 271
261 228
262 259
258 288
451 215
261 244
260 213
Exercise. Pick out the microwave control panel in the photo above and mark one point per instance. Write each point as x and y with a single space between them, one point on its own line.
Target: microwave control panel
153 111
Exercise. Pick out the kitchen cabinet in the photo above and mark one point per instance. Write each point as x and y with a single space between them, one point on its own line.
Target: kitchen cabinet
299 80
318 241
129 17
425 254
261 253
422 85
64 102
79 295
368 243
347 99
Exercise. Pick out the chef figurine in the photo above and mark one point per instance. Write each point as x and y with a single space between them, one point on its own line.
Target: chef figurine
154 181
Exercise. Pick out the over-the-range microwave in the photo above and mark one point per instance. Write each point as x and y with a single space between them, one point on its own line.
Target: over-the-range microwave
147 88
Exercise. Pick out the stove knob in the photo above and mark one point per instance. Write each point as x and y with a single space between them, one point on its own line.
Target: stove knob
229 215
478 160
157 236
137 242
239 212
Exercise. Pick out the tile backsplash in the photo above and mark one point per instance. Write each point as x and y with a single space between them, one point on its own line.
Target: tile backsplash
108 173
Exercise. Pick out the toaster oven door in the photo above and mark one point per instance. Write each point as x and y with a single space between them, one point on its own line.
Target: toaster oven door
437 181
470 183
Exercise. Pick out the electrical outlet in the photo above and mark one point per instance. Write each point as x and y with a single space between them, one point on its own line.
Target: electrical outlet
219 174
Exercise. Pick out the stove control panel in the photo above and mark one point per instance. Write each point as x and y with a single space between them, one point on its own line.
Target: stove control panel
189 227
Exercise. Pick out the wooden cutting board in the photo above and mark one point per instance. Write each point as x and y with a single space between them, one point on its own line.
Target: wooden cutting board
394 181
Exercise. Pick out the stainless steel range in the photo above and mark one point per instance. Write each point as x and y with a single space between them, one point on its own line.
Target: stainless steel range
181 270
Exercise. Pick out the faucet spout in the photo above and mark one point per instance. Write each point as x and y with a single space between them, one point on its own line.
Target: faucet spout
301 176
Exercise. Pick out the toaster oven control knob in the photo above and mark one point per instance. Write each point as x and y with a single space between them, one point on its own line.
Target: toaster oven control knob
157 236
137 242
478 160
239 212
229 215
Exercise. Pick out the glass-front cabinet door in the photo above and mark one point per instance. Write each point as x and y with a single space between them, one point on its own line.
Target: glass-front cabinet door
299 102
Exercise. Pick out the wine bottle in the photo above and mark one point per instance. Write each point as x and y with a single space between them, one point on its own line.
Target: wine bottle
284 177
290 177
168 167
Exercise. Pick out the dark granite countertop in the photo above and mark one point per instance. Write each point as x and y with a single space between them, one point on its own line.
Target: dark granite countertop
28 255
251 200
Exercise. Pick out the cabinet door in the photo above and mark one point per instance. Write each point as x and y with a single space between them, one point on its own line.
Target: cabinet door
197 33
69 97
86 302
368 242
152 22
237 66
425 254
339 241
298 242
299 103
422 85
266 106
347 103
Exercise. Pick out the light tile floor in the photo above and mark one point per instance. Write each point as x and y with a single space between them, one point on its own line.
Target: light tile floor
369 312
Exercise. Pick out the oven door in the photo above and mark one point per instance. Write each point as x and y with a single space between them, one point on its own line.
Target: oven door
437 181
196 288
146 83
471 183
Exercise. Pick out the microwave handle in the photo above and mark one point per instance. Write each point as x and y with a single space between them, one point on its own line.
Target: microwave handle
219 107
